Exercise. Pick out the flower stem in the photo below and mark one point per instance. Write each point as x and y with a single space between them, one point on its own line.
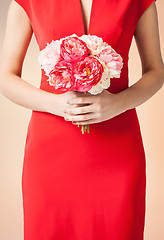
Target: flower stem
82 129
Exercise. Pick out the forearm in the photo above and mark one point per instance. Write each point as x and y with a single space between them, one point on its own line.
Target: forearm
142 90
24 94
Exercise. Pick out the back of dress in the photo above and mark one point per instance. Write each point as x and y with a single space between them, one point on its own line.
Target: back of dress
91 186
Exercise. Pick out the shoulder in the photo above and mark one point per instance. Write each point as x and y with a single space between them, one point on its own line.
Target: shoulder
142 6
132 10
22 3
25 5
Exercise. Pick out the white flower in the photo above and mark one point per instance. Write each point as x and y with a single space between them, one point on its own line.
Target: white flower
94 43
49 56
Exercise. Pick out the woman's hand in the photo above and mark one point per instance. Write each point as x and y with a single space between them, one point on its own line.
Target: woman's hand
57 103
87 109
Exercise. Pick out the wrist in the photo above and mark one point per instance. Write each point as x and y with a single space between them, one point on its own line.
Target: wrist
122 101
49 102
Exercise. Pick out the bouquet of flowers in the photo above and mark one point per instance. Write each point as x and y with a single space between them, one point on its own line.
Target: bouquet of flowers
83 64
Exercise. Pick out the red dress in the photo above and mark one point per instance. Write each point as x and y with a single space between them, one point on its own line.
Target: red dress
87 186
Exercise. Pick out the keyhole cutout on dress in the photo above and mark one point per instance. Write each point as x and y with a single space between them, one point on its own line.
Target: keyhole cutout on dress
86 10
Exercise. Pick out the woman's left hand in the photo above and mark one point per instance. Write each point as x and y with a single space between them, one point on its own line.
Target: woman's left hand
87 108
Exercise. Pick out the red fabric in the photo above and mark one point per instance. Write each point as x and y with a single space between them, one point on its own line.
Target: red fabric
91 186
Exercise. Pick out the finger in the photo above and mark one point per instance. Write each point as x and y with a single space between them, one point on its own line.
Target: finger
80 110
81 93
91 121
82 100
83 117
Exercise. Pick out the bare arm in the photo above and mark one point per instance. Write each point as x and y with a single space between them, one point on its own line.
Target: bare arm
16 41
148 44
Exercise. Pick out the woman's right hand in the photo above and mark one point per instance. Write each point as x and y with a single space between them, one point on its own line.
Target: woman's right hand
59 102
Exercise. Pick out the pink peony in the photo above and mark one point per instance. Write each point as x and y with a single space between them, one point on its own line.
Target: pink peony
112 60
87 73
61 76
73 49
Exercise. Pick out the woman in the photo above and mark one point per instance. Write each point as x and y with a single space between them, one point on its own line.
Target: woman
91 186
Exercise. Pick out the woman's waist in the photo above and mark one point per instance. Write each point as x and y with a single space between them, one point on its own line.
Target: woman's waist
122 122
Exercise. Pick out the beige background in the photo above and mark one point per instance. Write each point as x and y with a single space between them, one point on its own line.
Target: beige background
13 125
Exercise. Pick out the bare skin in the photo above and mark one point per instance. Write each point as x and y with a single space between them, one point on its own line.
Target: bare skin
86 12
78 107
